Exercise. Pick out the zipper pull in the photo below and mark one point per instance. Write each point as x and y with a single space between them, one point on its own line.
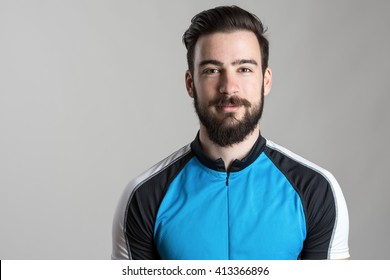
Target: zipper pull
227 179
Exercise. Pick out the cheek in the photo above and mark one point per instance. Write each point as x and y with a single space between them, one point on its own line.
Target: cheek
206 90
207 83
252 89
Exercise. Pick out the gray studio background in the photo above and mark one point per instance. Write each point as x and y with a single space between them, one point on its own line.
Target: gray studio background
92 93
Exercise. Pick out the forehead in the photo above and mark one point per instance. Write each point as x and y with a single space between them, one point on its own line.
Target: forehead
227 47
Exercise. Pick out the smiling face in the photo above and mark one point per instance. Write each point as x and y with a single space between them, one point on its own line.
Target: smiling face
228 85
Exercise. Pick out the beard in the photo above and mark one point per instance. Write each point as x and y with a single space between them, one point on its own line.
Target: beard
229 130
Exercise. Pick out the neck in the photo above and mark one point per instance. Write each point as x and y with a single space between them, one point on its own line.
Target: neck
230 153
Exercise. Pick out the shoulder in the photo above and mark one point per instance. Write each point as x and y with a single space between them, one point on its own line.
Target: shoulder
175 161
300 171
157 174
315 185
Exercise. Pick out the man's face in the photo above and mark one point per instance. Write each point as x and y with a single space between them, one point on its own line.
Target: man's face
227 85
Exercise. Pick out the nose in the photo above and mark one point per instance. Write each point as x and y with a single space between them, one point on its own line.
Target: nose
228 83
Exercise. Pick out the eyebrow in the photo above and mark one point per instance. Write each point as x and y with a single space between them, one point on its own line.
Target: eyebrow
234 63
210 61
244 61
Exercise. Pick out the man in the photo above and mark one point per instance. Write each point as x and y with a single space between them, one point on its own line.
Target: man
230 194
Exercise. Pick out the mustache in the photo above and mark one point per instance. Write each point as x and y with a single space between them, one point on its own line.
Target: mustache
230 100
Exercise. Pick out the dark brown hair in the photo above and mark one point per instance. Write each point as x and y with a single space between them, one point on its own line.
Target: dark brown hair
224 19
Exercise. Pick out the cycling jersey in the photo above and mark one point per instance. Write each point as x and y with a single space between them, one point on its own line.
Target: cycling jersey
273 204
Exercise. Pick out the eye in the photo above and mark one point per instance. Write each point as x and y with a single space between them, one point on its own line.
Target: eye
211 71
245 70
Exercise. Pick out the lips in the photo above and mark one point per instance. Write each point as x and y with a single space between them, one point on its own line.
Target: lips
230 104
229 108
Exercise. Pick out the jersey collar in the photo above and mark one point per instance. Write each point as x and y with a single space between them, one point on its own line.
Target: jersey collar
219 165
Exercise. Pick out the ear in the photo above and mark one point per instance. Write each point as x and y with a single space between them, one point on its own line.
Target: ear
267 81
189 83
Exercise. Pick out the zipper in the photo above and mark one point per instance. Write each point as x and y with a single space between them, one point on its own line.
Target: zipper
228 214
227 179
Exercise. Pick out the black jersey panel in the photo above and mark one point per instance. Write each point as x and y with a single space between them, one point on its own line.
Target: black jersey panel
143 207
317 199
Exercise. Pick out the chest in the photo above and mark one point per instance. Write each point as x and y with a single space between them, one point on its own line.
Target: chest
251 214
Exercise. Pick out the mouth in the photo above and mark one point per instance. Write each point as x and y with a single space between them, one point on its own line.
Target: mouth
229 108
230 104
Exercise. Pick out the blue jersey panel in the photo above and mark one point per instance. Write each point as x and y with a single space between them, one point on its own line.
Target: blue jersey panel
266 216
192 221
